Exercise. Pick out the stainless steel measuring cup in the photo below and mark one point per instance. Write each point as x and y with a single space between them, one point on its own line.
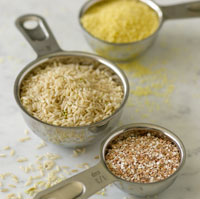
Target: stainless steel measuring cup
48 50
127 51
87 183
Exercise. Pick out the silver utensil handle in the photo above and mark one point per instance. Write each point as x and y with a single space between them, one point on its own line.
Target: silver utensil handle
39 36
80 186
179 11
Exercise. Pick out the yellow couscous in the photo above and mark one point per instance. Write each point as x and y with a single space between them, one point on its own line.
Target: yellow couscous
120 21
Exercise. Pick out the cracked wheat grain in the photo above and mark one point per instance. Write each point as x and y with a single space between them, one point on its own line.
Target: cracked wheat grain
143 159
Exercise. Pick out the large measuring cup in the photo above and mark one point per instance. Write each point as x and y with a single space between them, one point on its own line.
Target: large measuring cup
45 45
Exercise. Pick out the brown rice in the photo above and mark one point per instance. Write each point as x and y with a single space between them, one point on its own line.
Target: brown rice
71 94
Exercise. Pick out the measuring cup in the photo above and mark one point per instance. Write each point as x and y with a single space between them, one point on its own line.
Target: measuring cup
126 51
87 183
43 42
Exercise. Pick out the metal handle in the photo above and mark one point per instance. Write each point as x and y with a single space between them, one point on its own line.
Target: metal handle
179 11
80 186
40 36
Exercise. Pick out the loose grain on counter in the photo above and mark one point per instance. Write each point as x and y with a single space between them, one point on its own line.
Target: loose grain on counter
151 87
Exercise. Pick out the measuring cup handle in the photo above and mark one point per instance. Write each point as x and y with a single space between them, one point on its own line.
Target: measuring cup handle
40 36
80 186
179 11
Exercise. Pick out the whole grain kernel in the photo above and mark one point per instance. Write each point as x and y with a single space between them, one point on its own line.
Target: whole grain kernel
43 144
7 148
12 185
24 139
142 158
26 132
15 178
74 170
12 152
22 159
96 157
49 164
4 190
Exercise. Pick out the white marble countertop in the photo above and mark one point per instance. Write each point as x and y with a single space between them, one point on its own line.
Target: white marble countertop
173 62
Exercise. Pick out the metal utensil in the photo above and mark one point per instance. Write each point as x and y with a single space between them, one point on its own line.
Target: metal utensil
48 50
94 179
127 51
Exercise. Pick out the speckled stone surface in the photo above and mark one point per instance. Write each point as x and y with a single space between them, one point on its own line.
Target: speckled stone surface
176 51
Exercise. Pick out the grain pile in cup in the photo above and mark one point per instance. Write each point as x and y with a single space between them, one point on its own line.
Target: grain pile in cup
120 21
142 158
72 94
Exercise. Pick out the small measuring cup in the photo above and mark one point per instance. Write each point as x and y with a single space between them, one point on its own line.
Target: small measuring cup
87 183
45 45
127 51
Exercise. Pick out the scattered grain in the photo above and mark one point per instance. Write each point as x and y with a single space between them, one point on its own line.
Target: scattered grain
40 157
78 151
1 60
41 184
67 172
74 170
83 166
12 185
49 164
43 144
19 195
11 196
15 178
58 168
96 157
31 190
7 148
22 159
102 192
4 190
52 156
27 169
2 176
41 173
26 132
65 167
37 177
24 139
151 87
12 152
